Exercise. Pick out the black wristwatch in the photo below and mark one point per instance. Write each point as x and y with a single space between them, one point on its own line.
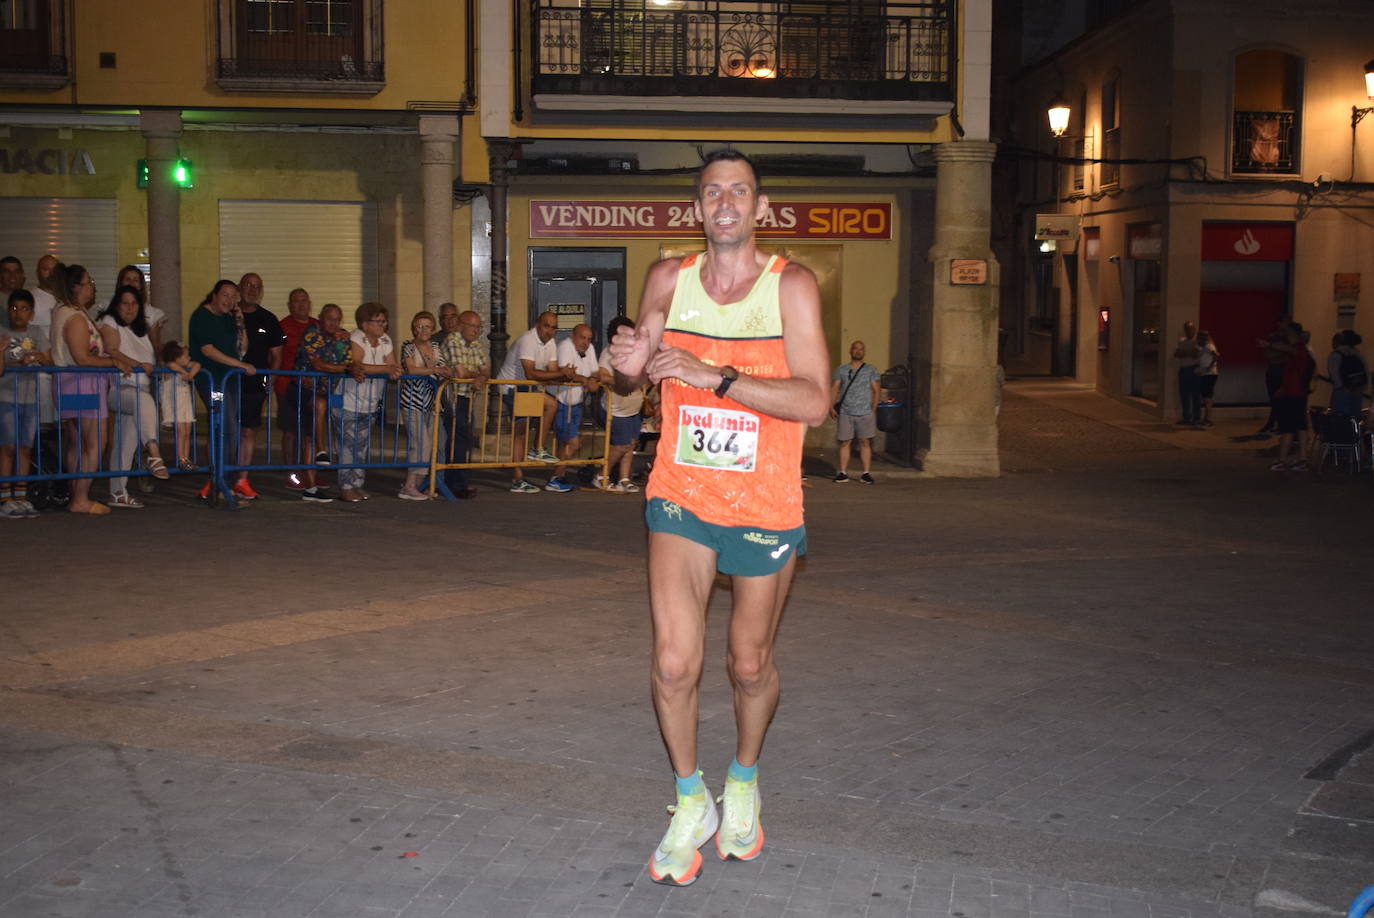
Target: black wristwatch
727 377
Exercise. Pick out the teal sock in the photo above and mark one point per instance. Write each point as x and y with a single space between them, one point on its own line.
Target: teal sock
691 785
738 772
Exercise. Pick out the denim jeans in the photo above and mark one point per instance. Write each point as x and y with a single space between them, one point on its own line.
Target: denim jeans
1190 395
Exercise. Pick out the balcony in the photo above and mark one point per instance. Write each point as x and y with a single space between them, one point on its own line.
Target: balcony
1264 143
33 45
301 46
767 56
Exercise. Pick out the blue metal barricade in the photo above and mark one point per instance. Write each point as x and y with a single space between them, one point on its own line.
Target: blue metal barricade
102 425
354 425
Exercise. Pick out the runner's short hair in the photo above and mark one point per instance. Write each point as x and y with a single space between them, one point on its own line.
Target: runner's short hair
726 154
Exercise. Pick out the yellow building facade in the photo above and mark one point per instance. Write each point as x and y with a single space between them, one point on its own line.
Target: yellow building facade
508 156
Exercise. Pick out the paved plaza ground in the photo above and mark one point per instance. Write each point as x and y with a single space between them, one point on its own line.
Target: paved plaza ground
1131 678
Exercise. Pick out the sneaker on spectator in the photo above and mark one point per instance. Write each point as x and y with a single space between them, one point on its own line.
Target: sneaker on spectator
294 482
523 487
541 455
1300 466
11 510
600 484
412 494
322 459
243 489
30 511
558 486
866 478
316 495
204 492
839 476
627 486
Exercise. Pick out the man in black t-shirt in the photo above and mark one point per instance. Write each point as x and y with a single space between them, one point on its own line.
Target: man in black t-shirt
265 340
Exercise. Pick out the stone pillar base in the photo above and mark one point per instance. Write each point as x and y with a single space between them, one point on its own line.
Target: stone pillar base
963 326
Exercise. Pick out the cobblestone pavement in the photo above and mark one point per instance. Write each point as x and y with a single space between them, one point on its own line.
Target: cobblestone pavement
1130 678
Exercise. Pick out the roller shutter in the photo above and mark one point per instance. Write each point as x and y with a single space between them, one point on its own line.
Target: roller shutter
327 247
83 231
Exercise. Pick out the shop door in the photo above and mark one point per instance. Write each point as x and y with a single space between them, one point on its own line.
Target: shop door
1145 246
579 285
1246 272
1066 328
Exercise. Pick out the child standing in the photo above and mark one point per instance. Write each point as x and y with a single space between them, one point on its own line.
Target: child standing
174 394
26 345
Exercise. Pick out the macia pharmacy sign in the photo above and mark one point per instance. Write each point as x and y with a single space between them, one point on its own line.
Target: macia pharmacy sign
677 220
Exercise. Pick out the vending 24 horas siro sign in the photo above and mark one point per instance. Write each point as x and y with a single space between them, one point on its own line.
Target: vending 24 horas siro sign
867 220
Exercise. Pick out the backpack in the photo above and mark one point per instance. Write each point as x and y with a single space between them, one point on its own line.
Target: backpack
1354 374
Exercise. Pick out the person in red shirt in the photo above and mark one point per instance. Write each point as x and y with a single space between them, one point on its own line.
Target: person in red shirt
288 388
1290 402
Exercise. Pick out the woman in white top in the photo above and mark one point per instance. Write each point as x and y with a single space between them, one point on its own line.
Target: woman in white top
372 354
124 328
132 276
80 397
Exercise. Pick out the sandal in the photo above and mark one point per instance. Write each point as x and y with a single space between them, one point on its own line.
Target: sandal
186 465
95 509
157 468
125 500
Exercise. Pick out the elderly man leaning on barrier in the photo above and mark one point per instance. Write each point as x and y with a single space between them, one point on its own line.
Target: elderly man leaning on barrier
463 353
625 417
534 356
577 359
292 409
325 348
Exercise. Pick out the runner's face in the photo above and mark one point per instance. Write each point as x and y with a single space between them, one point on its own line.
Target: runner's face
729 203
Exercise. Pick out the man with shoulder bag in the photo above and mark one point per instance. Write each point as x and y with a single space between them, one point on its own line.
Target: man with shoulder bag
854 386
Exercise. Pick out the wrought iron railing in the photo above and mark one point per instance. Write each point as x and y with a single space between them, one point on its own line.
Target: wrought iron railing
33 40
294 42
343 69
1264 143
858 50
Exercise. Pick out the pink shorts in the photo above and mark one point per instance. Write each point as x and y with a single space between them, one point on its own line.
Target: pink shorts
80 395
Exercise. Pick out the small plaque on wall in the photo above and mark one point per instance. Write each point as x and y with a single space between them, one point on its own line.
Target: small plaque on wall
971 271
1347 287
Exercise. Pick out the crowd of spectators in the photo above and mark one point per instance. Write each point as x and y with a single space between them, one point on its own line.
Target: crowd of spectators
110 420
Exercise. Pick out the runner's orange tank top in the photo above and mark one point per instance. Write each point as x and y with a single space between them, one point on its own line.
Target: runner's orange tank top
728 464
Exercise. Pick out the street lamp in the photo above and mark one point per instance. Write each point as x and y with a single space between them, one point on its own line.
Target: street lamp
1357 113
1059 116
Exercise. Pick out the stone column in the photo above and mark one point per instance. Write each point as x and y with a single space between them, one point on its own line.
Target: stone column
963 346
161 131
438 136
500 153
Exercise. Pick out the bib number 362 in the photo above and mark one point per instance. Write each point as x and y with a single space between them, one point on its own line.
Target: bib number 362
715 438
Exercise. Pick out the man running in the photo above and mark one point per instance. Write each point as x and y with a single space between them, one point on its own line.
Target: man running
733 336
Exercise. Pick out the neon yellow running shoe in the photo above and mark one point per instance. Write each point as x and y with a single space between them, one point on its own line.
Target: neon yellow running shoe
676 861
741 836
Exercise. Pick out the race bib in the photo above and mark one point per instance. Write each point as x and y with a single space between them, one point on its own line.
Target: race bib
715 438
